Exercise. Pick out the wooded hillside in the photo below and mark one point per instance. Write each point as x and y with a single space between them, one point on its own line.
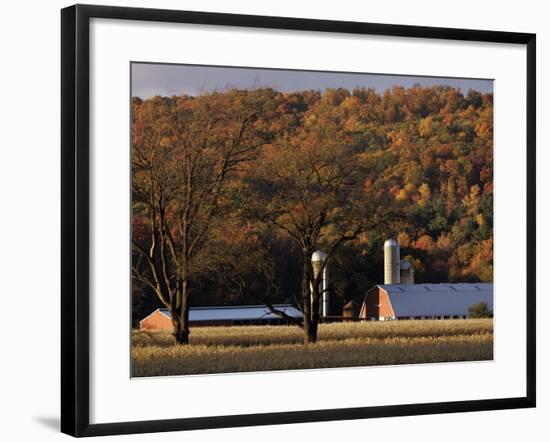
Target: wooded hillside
231 190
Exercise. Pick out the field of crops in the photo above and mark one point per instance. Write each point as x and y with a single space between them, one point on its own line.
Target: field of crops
261 348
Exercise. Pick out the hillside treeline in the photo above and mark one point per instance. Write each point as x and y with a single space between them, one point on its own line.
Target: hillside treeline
232 190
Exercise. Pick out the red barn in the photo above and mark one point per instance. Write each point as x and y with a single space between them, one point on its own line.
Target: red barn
422 301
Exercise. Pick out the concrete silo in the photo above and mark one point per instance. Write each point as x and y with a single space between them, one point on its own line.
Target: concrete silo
317 260
406 272
391 262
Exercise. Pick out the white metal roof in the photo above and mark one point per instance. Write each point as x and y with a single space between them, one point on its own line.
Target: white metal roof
237 313
437 299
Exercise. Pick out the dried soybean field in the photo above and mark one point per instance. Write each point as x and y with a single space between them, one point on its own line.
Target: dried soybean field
264 348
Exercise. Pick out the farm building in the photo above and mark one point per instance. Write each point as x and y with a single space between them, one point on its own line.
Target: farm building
160 319
424 301
350 311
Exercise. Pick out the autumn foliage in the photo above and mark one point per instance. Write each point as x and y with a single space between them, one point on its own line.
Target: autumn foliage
313 168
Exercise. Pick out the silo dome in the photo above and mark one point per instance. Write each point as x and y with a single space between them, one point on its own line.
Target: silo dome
405 264
391 243
318 256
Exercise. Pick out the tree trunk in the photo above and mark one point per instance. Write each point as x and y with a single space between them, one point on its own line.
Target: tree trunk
315 304
180 315
185 313
311 304
181 335
310 333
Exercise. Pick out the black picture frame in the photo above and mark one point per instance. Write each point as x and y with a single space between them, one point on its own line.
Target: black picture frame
75 225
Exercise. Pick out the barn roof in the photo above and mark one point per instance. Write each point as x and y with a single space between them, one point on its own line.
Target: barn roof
437 299
237 313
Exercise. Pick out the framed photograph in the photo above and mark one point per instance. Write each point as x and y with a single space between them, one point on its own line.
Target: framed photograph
298 217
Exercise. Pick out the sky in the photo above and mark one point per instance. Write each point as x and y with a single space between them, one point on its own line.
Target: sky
150 79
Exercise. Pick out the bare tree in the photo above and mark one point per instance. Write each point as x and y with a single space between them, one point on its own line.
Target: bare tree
184 152
310 188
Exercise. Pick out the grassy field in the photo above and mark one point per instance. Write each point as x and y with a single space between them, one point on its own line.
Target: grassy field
261 348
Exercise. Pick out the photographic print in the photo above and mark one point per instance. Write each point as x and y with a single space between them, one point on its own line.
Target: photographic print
287 219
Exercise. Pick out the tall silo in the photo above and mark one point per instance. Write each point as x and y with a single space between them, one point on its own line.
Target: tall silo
406 275
317 260
391 262
325 299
